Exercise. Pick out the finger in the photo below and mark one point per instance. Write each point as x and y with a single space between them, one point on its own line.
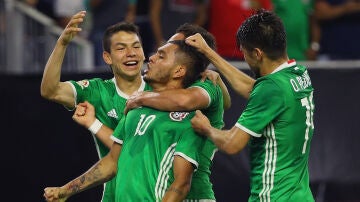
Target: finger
198 113
203 77
83 104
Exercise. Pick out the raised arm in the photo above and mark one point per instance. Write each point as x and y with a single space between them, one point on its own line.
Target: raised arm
239 81
178 190
51 87
230 141
85 116
104 170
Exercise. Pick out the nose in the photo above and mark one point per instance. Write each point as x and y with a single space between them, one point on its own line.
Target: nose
152 58
131 51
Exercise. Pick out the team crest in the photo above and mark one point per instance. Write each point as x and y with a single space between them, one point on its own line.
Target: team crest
178 116
83 83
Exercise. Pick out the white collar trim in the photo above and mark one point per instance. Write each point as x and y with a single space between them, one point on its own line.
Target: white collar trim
124 95
284 65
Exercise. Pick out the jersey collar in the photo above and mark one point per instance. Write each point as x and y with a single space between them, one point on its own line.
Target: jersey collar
284 65
124 95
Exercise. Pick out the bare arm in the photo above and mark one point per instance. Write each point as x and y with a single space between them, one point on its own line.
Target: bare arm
239 81
85 116
326 11
170 100
104 170
230 141
201 13
155 20
178 190
51 87
315 36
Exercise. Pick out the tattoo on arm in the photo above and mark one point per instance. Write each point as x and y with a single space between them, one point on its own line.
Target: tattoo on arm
89 178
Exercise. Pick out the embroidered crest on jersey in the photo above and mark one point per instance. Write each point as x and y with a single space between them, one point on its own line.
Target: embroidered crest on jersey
112 113
83 83
178 116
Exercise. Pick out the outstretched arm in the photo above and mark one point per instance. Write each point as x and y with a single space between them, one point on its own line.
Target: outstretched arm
51 87
230 141
85 116
104 170
239 81
178 190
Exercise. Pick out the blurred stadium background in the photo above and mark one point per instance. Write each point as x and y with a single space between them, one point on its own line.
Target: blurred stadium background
44 147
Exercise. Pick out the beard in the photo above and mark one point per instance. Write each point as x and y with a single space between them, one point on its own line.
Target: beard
255 71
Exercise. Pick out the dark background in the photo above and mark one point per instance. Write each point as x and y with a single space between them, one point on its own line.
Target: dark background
43 147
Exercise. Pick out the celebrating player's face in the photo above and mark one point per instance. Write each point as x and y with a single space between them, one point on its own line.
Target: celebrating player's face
161 64
126 56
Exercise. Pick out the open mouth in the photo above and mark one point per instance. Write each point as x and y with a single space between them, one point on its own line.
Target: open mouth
131 63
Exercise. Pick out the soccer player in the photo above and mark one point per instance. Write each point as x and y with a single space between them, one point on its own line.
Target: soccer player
124 54
158 149
277 122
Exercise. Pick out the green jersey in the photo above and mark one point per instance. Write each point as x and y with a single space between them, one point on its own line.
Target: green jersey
279 117
109 102
150 139
201 187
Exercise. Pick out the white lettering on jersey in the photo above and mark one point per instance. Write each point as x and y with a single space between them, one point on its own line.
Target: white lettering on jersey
301 82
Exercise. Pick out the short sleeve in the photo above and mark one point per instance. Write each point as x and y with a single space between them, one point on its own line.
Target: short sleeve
266 102
190 146
119 132
85 89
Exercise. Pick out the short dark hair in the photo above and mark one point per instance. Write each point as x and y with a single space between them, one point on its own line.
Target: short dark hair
113 29
198 62
263 30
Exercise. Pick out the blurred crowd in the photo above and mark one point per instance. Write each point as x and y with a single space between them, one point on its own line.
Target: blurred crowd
315 29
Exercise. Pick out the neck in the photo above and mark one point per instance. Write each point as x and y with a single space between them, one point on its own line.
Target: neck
128 86
268 66
157 87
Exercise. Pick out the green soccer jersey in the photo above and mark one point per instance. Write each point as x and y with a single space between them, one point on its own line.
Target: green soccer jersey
150 139
279 117
109 102
201 187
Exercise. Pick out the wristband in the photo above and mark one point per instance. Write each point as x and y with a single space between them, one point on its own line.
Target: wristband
315 46
95 127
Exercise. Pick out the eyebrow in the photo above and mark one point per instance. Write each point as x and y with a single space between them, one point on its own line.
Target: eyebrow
161 52
125 44
177 42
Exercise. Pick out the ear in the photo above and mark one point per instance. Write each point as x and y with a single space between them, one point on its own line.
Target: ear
180 71
107 58
258 53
